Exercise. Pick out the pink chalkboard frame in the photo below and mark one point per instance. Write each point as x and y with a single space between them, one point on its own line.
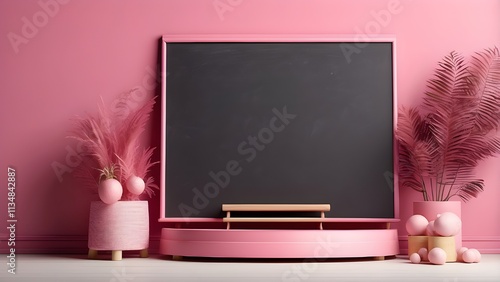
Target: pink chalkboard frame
166 39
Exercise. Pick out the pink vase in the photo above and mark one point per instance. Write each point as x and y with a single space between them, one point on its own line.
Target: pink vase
123 225
430 209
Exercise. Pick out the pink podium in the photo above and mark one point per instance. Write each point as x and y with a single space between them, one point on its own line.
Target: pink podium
353 241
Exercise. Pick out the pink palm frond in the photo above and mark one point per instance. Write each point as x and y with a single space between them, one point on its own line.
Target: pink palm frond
484 85
439 152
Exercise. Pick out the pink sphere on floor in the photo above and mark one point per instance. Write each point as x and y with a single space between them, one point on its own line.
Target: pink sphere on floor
477 255
448 224
423 254
415 258
437 256
469 256
460 253
416 225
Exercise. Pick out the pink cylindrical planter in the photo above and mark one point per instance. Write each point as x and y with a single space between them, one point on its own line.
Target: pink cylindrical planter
121 226
430 209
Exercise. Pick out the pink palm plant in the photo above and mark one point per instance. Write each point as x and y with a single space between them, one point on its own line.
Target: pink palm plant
442 141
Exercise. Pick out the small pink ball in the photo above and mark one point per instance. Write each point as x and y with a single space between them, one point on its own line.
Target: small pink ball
423 254
437 256
415 258
110 191
448 224
416 225
477 255
135 185
460 253
430 229
469 256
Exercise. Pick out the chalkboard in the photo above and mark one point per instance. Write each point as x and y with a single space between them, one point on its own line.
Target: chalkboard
279 122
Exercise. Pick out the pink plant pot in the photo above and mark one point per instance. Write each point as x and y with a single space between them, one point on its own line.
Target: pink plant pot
122 226
430 209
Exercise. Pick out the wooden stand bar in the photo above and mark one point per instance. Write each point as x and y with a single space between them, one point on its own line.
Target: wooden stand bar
228 208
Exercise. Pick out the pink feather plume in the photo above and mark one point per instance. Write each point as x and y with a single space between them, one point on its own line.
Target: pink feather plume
114 140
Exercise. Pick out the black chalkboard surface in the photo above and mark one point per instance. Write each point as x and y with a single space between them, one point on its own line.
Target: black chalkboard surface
279 122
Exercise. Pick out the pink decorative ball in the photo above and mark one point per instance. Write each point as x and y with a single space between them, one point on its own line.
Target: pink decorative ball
469 256
477 255
423 254
430 229
460 253
437 256
416 225
110 191
415 258
448 224
135 185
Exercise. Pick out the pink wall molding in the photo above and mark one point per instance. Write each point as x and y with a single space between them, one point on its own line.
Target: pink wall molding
59 244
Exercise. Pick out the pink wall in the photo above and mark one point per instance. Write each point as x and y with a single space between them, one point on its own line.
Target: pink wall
78 50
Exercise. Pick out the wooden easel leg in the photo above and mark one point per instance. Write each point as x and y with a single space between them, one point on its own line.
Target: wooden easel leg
116 255
144 253
321 223
92 254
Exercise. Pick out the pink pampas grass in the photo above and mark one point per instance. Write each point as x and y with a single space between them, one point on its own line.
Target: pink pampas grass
113 141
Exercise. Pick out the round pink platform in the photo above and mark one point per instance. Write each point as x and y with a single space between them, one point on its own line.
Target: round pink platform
271 243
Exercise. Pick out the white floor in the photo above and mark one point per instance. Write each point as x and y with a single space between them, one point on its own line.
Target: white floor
77 268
